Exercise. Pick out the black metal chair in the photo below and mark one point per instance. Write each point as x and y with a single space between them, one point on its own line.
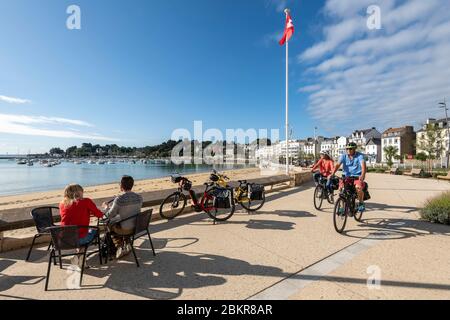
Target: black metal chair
68 238
43 219
142 221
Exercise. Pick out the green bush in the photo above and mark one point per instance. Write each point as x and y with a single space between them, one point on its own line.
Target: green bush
437 209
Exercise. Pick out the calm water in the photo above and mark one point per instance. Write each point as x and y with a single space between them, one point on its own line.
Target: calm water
20 179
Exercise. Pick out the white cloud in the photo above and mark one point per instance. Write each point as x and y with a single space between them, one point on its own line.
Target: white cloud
32 126
310 88
13 100
335 35
389 77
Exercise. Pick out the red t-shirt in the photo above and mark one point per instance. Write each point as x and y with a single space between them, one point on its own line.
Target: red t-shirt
79 214
325 167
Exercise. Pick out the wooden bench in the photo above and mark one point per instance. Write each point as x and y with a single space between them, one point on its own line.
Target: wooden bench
414 172
447 177
395 171
18 218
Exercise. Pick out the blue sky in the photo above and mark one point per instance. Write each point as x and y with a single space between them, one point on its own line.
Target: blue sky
137 70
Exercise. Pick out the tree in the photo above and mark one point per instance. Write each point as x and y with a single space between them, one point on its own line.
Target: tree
70 151
432 144
56 152
390 153
421 156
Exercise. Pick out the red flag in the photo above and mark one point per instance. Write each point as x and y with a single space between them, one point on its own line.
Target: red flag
288 30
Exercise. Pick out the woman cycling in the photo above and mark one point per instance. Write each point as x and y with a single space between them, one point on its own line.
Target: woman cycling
325 166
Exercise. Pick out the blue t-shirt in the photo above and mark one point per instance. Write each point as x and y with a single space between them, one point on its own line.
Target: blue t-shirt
352 167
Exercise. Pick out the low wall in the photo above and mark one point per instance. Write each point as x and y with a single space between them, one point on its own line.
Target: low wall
15 219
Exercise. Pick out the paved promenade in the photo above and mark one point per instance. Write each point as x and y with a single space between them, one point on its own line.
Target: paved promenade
287 251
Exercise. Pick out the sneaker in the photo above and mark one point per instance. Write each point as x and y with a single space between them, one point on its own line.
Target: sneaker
74 260
119 253
362 207
127 249
330 198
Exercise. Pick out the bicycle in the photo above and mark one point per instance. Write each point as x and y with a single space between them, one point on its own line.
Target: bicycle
346 205
321 193
212 201
251 203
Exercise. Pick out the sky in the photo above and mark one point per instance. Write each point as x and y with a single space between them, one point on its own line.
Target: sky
138 70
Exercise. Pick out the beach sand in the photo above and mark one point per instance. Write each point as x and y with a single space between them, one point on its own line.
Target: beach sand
110 190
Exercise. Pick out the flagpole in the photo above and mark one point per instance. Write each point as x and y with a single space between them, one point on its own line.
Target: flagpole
287 101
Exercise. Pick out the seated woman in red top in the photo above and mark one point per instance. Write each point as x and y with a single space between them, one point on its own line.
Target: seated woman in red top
77 211
325 166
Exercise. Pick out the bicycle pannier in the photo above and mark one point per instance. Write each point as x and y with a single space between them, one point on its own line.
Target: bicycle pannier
366 193
176 178
214 177
222 198
187 185
255 191
335 183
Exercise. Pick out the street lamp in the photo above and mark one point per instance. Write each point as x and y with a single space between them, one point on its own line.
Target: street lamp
443 105
315 141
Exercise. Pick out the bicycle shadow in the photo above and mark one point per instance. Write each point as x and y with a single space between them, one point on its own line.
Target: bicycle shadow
373 206
396 228
265 224
281 213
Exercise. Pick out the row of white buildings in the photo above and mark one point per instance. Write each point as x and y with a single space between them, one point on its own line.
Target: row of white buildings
370 141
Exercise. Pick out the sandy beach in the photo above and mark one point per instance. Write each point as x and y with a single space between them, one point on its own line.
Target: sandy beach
107 190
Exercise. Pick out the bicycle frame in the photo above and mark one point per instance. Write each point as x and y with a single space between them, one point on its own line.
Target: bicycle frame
238 191
201 205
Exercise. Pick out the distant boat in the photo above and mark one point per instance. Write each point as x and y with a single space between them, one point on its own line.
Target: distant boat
111 162
91 162
22 161
48 165
101 162
77 162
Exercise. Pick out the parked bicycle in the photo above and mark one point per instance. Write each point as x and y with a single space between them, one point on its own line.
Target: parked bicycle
346 204
216 202
322 193
250 196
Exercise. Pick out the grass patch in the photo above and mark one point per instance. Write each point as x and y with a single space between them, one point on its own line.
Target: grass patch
437 209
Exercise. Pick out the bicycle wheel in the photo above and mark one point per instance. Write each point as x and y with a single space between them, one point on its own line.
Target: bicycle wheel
318 197
172 206
340 215
252 205
217 214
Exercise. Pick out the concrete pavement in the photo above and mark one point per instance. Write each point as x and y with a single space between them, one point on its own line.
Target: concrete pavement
287 251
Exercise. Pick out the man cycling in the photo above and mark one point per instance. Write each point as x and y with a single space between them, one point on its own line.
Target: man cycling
353 166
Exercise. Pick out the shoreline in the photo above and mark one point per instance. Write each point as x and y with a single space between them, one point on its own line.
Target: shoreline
111 189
